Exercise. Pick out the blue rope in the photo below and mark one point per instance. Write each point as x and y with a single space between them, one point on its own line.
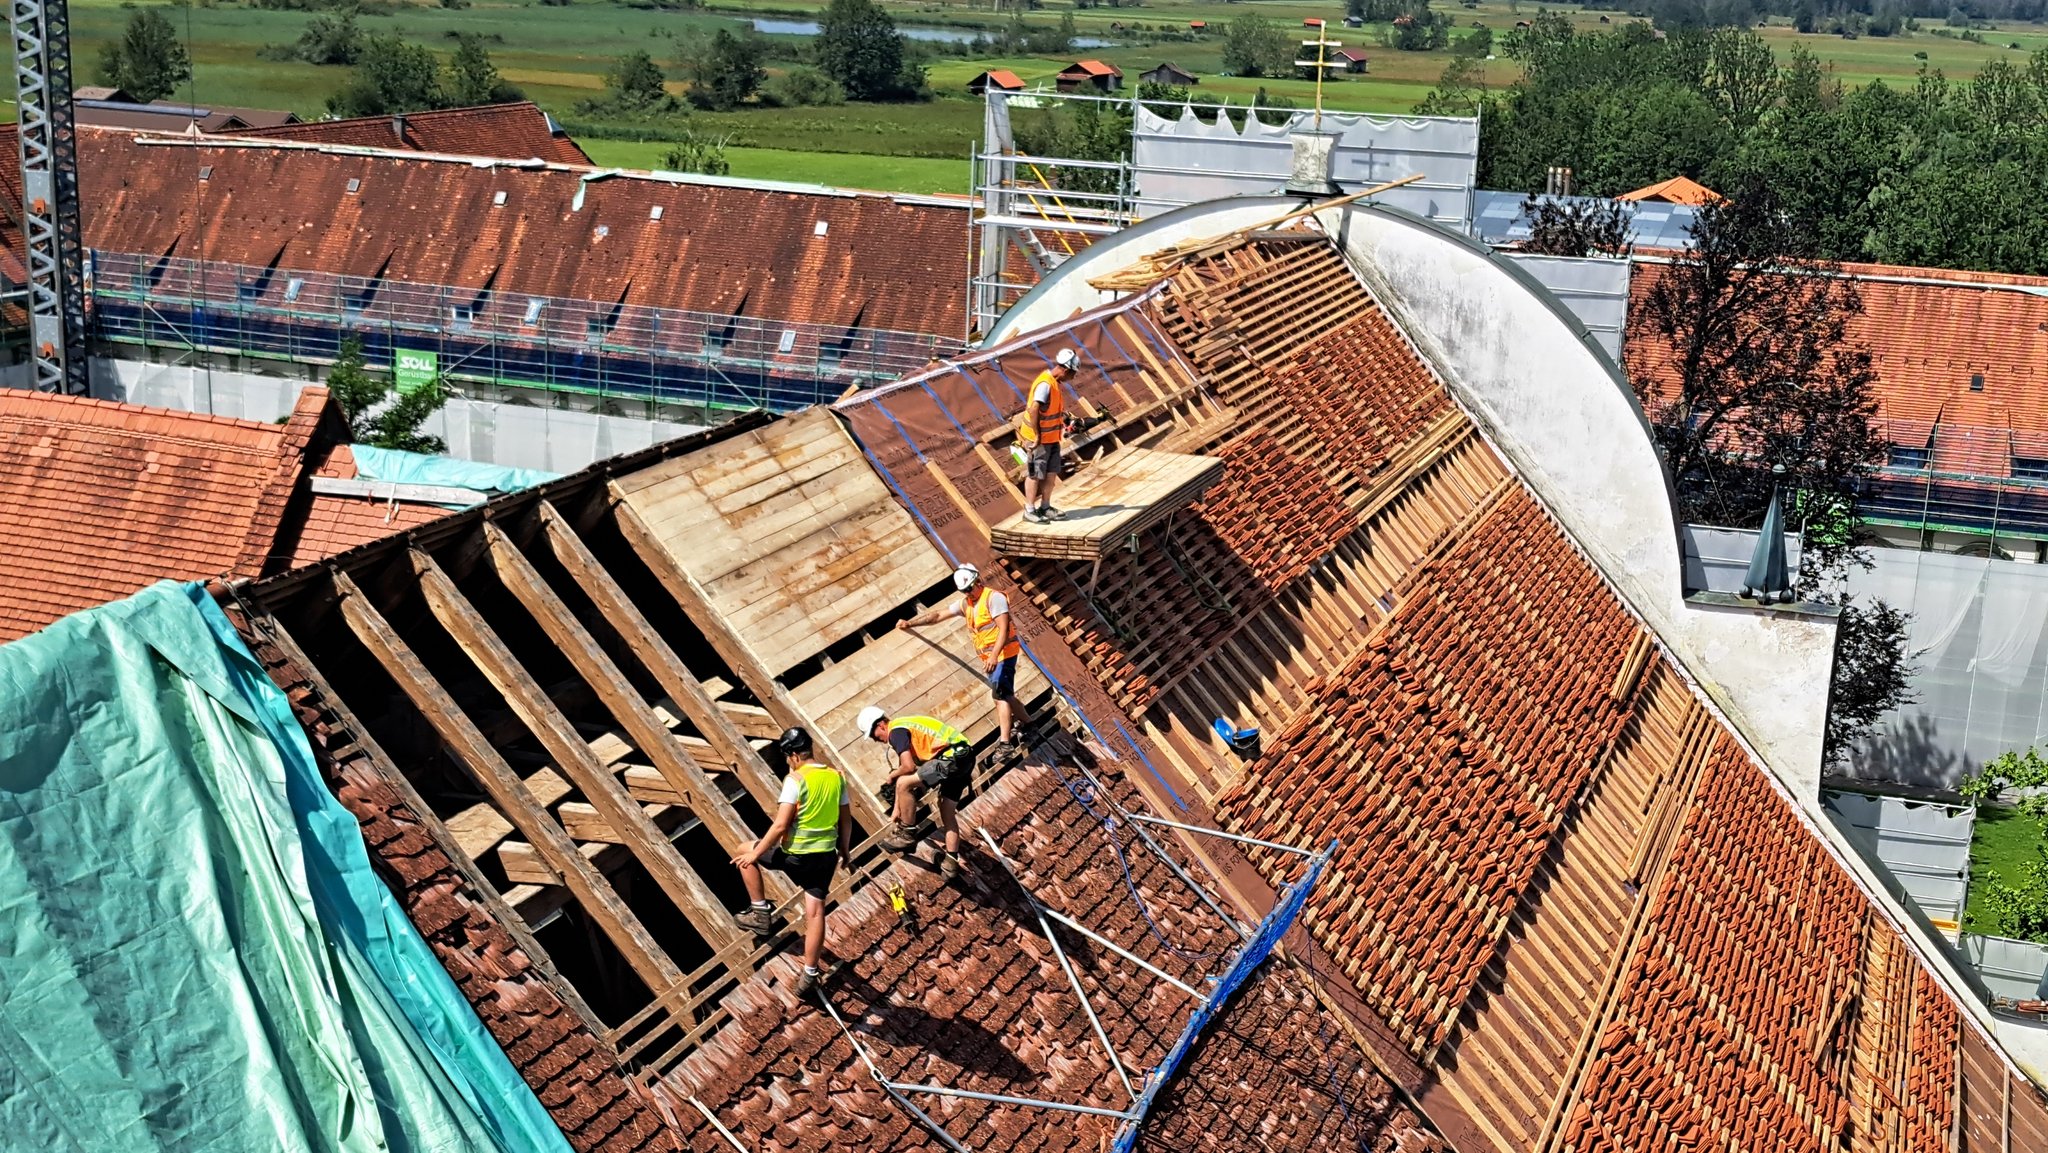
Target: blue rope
1083 792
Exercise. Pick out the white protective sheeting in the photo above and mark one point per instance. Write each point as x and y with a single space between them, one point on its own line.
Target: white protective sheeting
1980 671
2013 969
1926 846
1189 159
1594 288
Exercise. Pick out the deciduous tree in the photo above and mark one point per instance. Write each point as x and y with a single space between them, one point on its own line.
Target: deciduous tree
391 76
726 72
1255 46
148 62
858 46
379 415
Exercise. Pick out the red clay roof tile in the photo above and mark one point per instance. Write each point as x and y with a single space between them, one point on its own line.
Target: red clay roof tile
515 131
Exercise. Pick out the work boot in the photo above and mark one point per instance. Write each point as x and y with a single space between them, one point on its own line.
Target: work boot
1051 513
949 866
807 983
899 839
1034 516
760 922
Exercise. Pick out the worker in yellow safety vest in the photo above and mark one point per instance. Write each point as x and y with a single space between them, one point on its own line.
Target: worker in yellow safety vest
987 613
1039 433
811 833
926 753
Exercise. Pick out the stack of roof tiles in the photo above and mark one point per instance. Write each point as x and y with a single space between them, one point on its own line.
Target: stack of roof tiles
968 995
1444 757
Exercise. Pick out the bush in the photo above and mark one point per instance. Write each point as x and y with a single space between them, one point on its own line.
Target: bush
699 154
804 87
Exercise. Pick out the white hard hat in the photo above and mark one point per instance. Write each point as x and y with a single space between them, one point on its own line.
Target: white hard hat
1067 358
867 719
965 576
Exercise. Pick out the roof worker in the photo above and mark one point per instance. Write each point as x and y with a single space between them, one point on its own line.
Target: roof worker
811 834
987 613
1045 421
928 754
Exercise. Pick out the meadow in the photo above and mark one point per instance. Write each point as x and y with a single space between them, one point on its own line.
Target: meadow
558 55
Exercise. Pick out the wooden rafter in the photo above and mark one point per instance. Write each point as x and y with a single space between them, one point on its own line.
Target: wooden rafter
867 810
546 721
467 742
674 677
624 702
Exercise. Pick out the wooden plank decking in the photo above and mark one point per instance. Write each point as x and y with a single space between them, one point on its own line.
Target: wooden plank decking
1127 493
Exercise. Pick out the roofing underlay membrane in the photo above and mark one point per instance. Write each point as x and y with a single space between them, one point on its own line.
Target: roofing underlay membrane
194 952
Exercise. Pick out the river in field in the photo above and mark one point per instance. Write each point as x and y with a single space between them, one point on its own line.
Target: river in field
935 35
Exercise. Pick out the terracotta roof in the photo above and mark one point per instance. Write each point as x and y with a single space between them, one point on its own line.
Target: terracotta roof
826 257
514 131
1004 78
1090 68
1356 55
971 997
1528 793
1677 190
175 116
102 499
1930 334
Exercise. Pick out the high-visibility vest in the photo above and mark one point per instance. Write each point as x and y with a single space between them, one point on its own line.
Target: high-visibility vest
986 631
1052 419
817 818
929 736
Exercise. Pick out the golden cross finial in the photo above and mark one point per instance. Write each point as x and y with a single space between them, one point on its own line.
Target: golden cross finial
1322 44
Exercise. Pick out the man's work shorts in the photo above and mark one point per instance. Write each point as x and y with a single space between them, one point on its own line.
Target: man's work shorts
949 771
1044 461
811 872
1002 680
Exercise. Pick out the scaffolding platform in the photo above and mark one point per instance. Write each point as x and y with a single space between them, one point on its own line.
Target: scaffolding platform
1126 493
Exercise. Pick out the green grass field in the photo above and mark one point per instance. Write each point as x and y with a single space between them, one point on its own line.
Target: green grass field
839 169
2003 844
558 55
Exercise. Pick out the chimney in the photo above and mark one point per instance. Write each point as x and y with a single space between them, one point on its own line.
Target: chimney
1314 152
1557 181
398 126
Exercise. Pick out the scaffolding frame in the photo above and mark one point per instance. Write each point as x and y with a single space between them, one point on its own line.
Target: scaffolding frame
48 155
1257 945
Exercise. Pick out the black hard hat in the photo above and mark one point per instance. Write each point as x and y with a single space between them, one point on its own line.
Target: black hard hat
795 742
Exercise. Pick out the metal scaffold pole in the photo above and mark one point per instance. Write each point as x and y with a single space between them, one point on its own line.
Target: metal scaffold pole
49 182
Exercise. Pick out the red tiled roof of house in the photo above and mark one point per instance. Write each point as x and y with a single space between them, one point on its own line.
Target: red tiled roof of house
514 131
1005 79
1090 68
1354 55
1931 333
326 523
1677 190
102 499
829 258
176 116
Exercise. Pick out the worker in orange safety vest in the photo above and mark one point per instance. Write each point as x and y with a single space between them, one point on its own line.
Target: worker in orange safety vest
1039 433
987 613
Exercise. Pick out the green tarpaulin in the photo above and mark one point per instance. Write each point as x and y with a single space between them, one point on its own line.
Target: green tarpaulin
194 953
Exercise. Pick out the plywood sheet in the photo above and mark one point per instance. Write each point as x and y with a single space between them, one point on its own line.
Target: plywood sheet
931 671
793 538
1127 492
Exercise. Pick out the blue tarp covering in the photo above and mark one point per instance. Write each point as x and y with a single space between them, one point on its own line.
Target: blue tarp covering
194 952
398 467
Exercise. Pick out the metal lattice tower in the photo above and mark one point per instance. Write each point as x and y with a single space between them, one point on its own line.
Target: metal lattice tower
49 185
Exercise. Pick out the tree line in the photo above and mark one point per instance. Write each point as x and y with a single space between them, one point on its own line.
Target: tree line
1937 173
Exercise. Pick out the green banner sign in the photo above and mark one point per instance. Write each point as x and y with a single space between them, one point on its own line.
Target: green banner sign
415 370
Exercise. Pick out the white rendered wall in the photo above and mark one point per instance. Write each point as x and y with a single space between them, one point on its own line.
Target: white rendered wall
515 435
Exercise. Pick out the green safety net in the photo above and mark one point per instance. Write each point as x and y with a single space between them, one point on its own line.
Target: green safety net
194 952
